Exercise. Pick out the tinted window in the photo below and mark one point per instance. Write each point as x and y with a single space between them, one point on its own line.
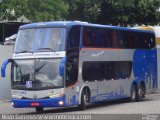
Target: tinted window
101 38
106 70
113 38
88 36
71 71
73 37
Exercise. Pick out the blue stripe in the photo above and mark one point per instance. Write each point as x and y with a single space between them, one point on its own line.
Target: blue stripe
50 102
72 23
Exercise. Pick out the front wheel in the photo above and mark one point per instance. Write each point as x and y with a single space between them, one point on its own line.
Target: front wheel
84 100
39 109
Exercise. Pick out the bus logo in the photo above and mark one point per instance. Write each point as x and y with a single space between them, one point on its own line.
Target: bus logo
35 96
29 84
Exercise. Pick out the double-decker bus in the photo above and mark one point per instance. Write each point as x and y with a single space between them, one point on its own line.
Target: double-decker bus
71 63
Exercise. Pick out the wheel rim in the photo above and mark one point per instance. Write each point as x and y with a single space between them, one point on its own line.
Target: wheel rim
141 91
85 99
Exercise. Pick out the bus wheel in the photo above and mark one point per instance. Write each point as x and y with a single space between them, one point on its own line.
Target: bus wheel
134 93
141 92
84 99
39 109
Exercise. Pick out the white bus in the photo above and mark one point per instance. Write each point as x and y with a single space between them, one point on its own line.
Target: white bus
65 63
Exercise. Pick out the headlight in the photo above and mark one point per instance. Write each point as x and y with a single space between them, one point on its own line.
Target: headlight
61 103
12 103
56 95
16 96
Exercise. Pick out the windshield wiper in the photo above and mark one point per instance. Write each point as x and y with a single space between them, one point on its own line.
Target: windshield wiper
46 49
39 68
25 51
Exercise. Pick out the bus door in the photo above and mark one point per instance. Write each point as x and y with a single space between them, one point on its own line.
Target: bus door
72 78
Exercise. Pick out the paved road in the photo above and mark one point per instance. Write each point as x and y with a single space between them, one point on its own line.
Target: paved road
150 105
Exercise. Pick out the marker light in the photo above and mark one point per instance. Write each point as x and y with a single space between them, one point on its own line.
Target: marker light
61 102
33 104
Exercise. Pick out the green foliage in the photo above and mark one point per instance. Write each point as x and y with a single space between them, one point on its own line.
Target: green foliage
147 11
120 12
37 10
5 11
114 12
83 10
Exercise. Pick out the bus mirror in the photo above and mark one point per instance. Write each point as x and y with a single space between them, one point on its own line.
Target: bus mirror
3 67
62 66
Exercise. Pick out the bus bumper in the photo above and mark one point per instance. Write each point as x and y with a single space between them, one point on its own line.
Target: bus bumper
50 102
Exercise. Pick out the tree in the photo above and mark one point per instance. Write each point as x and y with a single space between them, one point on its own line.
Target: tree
120 12
147 11
5 11
83 10
37 10
114 12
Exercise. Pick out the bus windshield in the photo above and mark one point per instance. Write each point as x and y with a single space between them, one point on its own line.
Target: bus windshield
39 38
36 74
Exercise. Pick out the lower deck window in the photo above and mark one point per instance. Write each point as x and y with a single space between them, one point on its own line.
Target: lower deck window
106 70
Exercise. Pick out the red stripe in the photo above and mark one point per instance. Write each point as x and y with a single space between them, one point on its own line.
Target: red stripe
101 49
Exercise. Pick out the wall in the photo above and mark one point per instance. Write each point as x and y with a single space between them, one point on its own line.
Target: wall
5 83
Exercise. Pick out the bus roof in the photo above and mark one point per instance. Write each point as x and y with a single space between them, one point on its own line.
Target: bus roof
72 23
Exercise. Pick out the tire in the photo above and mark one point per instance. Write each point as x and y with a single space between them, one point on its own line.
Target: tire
141 92
84 100
134 94
39 109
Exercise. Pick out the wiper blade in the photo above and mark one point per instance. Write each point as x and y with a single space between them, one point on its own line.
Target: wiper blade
46 49
25 51
39 68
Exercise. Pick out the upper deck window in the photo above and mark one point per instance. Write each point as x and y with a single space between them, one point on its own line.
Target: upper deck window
33 39
117 38
73 37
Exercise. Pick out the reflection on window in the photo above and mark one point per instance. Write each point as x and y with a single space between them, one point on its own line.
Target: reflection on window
47 72
43 73
106 70
32 39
